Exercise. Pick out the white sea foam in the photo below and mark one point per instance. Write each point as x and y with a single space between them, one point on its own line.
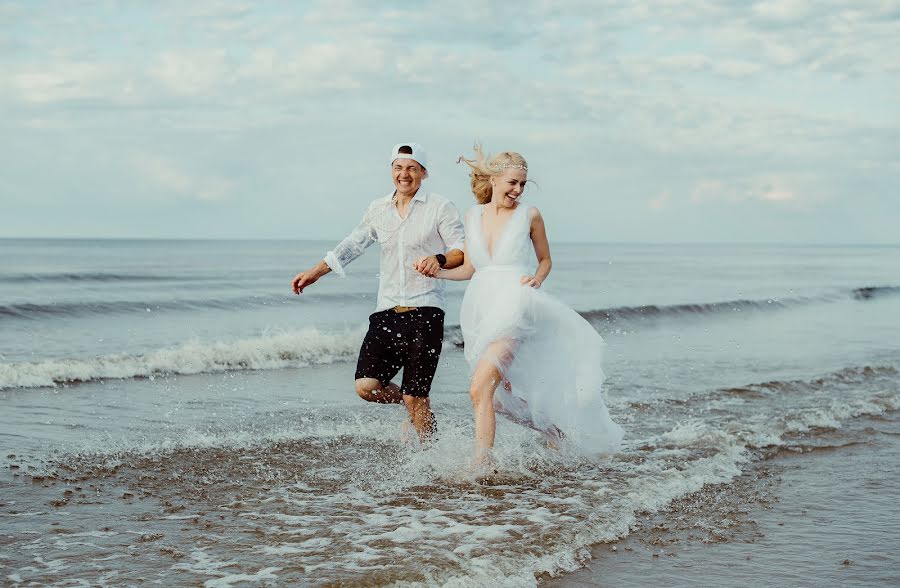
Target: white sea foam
231 579
299 349
831 417
304 426
203 563
93 534
689 433
307 546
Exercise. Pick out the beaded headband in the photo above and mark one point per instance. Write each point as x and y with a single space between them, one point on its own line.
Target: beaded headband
510 166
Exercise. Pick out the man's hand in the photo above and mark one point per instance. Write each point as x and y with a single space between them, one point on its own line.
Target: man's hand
310 276
302 280
530 281
428 266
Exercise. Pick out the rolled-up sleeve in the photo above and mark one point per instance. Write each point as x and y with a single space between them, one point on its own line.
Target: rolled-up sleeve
450 228
352 246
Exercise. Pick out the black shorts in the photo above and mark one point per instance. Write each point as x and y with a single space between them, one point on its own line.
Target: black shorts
409 340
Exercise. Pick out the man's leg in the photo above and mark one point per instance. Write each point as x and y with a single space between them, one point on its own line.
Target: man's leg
425 333
380 359
421 416
371 390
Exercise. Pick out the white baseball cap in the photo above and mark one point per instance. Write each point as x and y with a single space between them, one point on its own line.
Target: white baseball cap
418 153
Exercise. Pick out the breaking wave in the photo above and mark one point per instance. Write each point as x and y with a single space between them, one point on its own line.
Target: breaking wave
300 349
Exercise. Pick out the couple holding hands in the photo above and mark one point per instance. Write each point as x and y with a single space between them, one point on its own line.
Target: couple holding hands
532 358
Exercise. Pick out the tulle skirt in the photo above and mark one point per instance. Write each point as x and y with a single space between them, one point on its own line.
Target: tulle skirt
549 354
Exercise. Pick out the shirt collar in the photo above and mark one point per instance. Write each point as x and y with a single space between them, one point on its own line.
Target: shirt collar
421 195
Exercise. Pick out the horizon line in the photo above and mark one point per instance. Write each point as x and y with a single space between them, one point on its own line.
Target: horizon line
264 239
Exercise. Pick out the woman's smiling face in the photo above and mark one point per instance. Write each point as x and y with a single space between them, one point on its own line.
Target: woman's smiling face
509 185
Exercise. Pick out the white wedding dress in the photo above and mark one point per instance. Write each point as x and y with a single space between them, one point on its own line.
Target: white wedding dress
548 353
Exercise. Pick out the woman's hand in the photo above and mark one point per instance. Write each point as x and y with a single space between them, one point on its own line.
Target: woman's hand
428 266
531 281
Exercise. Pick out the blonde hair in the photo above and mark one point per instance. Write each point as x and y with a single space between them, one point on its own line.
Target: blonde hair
483 167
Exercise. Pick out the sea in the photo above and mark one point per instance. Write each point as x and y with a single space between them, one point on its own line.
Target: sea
172 414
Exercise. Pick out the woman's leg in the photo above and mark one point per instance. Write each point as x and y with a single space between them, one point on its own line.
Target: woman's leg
481 389
484 383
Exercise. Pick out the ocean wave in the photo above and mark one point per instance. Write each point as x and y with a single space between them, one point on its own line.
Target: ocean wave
775 411
653 311
873 291
313 347
626 314
300 349
36 278
32 311
805 420
847 376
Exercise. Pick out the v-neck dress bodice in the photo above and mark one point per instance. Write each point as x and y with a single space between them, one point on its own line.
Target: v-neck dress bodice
548 353
511 246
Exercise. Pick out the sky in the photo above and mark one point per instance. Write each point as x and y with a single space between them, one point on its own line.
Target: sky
655 121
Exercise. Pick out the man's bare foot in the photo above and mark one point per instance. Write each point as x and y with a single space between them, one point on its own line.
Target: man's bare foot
408 434
430 435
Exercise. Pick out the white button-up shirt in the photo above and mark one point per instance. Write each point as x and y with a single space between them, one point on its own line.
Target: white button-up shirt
431 226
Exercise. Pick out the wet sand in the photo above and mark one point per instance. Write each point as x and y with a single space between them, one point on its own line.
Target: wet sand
828 517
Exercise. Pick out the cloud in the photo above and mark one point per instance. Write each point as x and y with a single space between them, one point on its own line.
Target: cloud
783 11
63 82
796 191
193 72
176 181
659 203
781 104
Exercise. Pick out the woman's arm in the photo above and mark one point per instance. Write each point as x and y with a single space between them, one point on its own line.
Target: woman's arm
541 249
460 273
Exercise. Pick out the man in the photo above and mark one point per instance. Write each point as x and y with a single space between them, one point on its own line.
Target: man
420 233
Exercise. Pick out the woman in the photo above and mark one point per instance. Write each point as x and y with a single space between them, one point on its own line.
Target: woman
547 356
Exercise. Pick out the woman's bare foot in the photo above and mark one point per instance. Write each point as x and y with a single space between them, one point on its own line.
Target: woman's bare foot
554 437
483 467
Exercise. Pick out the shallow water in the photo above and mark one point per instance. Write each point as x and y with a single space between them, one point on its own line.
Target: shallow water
220 442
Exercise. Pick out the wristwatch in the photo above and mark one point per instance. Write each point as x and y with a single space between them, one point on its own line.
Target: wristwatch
442 259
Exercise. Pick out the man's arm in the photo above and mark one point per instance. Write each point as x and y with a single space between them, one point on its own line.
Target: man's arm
464 271
429 265
310 276
453 234
346 251
455 258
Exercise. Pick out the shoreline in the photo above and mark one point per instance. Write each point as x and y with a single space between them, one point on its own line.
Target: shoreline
821 517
